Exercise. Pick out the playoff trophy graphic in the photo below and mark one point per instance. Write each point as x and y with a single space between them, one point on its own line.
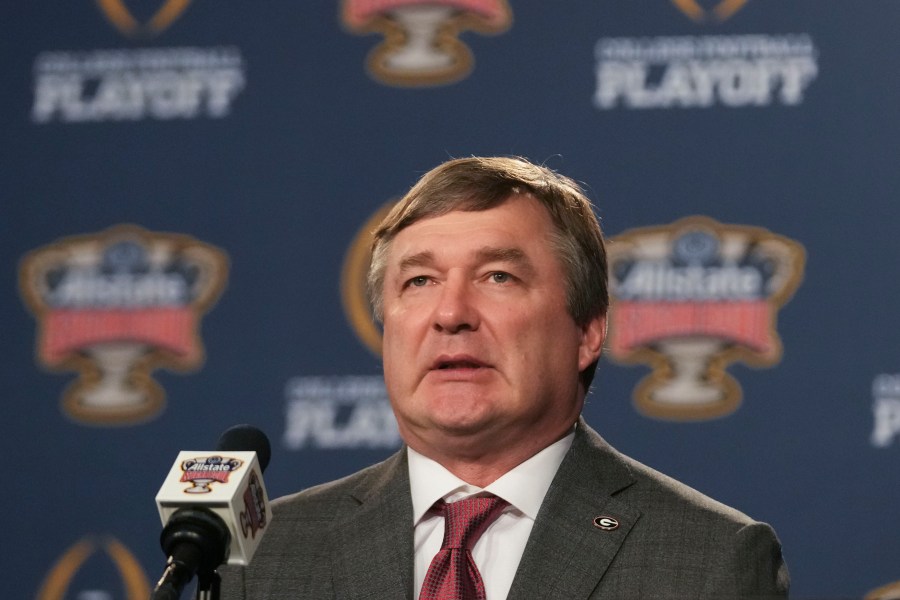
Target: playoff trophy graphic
890 591
421 45
689 299
87 554
115 305
122 18
701 11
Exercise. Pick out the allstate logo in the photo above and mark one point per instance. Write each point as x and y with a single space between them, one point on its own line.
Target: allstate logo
123 19
116 305
690 298
421 45
709 11
203 471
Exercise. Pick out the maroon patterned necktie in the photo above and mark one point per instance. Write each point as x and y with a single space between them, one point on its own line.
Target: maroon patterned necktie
453 574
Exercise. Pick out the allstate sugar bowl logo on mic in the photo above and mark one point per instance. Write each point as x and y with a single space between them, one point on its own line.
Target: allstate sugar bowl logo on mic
201 472
115 305
691 297
253 515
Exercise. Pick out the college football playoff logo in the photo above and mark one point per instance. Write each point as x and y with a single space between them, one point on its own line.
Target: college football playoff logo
719 11
123 20
690 298
116 305
83 556
421 45
353 282
890 591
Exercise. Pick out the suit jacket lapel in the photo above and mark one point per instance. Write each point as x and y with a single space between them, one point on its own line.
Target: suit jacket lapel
567 553
373 549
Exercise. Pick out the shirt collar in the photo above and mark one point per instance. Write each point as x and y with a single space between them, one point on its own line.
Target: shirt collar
524 487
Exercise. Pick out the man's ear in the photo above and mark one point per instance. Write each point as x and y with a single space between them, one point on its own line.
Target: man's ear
593 334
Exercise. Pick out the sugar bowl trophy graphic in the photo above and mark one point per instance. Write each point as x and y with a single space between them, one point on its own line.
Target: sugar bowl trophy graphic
421 45
204 471
116 305
689 299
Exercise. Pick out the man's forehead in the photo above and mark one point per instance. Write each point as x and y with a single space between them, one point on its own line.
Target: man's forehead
512 230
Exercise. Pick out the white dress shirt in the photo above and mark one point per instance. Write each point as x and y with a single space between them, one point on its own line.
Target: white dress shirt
498 552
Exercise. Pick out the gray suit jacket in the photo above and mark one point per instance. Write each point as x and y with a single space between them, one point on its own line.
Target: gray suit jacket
353 539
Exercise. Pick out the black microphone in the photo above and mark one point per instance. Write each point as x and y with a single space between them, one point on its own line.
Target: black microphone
247 438
214 509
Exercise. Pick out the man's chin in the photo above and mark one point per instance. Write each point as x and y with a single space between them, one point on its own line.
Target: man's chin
461 424
463 428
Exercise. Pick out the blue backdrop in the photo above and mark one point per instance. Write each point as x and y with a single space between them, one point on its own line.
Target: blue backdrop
186 188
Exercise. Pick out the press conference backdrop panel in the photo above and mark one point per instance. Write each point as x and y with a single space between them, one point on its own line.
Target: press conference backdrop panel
187 189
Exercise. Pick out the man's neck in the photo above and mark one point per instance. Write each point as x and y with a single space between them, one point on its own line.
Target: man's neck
483 468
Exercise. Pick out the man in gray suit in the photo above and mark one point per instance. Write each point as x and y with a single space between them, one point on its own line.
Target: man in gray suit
490 279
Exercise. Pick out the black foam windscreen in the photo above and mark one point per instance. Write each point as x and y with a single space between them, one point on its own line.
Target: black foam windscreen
247 438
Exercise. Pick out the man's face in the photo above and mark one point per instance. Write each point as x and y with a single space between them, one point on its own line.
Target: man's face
480 352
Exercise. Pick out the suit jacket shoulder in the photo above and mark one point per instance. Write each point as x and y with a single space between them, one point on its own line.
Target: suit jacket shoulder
611 527
351 538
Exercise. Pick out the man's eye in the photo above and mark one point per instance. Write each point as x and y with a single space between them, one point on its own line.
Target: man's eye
501 277
418 281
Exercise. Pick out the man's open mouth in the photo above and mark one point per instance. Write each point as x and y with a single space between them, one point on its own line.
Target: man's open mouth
462 364
457 362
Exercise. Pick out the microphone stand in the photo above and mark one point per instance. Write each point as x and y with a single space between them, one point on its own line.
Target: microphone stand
196 541
208 585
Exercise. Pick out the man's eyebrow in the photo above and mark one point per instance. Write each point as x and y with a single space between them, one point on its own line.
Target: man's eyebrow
507 254
419 259
485 254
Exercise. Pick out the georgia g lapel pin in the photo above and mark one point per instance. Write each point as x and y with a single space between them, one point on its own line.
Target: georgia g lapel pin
606 523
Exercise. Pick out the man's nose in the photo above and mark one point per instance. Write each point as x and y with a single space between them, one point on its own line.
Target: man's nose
456 311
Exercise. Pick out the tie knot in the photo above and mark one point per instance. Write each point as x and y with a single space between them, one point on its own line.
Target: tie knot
465 520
